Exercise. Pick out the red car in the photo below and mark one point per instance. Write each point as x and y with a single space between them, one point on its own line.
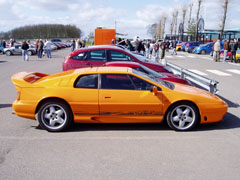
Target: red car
228 54
99 55
163 75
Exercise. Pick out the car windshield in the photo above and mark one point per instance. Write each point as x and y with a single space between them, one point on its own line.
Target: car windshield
150 72
156 80
139 57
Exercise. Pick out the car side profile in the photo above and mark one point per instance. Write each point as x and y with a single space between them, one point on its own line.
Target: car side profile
204 48
111 95
95 56
17 50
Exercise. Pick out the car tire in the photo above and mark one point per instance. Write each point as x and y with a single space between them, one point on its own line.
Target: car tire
182 116
203 52
29 53
8 53
54 116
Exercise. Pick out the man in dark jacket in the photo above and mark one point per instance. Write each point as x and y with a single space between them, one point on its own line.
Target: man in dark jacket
233 47
25 48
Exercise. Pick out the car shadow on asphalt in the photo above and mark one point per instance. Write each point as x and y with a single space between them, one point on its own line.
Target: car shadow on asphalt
229 102
3 61
5 105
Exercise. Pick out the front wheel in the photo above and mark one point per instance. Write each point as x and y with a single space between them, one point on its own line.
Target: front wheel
8 53
182 116
54 116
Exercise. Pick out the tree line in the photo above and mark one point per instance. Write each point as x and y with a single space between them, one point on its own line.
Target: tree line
43 31
157 30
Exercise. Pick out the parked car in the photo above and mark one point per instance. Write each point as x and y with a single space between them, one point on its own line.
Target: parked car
134 65
99 55
17 50
1 49
179 47
112 95
191 45
204 48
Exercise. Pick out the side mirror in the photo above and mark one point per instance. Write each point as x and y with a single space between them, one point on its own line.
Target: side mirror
154 90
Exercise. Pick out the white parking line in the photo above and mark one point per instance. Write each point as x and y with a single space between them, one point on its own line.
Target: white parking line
198 72
234 71
191 56
220 73
234 64
179 56
169 56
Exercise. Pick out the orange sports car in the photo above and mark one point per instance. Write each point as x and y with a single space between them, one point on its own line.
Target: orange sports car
112 95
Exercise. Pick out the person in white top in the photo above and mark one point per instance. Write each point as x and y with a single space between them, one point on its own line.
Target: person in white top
48 48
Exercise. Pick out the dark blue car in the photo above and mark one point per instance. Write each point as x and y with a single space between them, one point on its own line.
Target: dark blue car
191 45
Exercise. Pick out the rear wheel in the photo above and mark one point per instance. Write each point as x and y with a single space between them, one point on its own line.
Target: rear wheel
203 52
29 53
54 116
182 116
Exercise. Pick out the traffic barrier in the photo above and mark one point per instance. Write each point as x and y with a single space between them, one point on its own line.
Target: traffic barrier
206 83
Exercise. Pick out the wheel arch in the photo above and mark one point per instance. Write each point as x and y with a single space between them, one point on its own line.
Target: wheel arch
52 99
179 102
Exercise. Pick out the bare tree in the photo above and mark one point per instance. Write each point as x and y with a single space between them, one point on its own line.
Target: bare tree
197 18
176 21
164 19
184 11
172 24
190 14
225 8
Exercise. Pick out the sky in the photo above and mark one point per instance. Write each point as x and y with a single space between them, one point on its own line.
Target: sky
130 17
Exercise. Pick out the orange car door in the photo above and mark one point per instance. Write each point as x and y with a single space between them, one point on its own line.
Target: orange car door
120 100
83 98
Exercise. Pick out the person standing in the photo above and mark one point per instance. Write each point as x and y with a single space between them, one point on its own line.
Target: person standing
40 48
162 49
233 47
25 48
73 45
48 49
217 49
174 45
226 49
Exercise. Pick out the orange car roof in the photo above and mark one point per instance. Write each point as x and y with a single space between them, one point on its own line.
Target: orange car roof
103 69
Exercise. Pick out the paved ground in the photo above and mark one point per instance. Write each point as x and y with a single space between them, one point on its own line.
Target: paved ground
122 152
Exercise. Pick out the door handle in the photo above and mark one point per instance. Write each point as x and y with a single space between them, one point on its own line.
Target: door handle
107 97
89 64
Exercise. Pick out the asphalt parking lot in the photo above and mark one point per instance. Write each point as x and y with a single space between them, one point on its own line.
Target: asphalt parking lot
118 151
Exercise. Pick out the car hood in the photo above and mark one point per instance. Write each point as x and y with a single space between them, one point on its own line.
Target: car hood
191 90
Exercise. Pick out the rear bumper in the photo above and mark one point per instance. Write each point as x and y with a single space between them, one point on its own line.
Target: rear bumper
24 110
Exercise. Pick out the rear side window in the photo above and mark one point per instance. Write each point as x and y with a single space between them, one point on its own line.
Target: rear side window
118 56
97 55
87 81
140 84
80 56
116 81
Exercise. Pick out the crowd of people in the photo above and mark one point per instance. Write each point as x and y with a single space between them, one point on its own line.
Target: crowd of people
152 49
76 44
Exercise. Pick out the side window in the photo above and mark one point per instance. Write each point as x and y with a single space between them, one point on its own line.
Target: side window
80 56
87 81
116 81
118 56
140 84
97 55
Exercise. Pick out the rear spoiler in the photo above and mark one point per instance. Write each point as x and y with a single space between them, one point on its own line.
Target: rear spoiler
25 79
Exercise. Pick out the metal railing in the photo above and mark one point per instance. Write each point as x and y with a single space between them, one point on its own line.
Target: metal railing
206 83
